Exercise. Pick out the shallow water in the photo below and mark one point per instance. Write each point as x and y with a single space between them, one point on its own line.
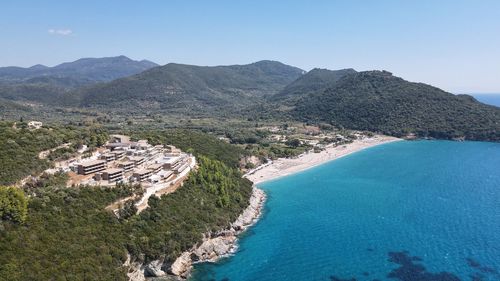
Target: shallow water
422 210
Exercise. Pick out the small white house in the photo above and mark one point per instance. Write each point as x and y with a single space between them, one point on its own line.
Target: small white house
34 125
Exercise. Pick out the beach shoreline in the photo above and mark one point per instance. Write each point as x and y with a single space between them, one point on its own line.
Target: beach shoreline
225 242
286 166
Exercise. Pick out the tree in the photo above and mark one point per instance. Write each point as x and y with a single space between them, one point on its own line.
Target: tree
13 204
293 143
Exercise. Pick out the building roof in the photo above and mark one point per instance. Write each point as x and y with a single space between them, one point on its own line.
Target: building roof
155 166
142 172
108 154
117 144
124 163
165 173
135 158
92 163
169 160
112 171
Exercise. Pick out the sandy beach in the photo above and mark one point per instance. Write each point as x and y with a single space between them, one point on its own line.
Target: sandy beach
286 166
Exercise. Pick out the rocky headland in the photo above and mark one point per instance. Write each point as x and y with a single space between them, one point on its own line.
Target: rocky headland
212 248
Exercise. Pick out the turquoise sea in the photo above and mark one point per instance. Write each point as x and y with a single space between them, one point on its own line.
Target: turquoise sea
410 211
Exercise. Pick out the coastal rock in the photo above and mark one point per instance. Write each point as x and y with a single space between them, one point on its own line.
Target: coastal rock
212 249
154 269
222 243
182 265
136 273
252 212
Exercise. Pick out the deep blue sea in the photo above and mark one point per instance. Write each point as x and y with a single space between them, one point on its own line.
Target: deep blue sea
492 99
410 211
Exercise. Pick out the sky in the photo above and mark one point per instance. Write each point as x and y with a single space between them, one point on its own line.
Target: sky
451 44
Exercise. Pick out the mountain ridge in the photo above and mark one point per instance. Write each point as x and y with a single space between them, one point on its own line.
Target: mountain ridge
194 87
378 101
269 90
87 69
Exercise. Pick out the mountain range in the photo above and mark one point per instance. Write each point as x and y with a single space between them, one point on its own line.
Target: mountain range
80 72
55 85
369 100
193 88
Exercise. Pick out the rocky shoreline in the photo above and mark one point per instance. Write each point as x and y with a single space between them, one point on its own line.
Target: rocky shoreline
213 247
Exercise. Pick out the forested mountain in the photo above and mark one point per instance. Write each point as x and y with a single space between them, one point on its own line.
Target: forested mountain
44 93
80 72
370 100
379 101
312 81
193 88
55 85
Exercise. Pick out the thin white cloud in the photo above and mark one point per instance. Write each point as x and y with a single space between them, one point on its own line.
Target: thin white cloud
62 32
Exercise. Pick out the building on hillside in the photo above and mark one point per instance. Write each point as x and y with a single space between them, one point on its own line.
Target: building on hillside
34 124
112 175
119 154
91 167
155 167
173 151
138 160
119 139
170 162
126 165
178 169
142 175
165 175
108 157
117 145
141 145
135 152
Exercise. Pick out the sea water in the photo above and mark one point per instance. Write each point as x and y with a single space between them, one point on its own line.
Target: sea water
409 210
491 99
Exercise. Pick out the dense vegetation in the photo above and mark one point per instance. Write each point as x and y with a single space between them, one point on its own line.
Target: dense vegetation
45 93
68 234
20 146
263 91
209 201
196 142
314 80
378 101
192 89
13 204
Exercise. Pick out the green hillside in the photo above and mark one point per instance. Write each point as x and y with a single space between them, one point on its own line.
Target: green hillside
314 80
379 101
188 88
69 235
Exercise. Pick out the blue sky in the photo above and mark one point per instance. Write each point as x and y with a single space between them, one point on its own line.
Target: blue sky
454 45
